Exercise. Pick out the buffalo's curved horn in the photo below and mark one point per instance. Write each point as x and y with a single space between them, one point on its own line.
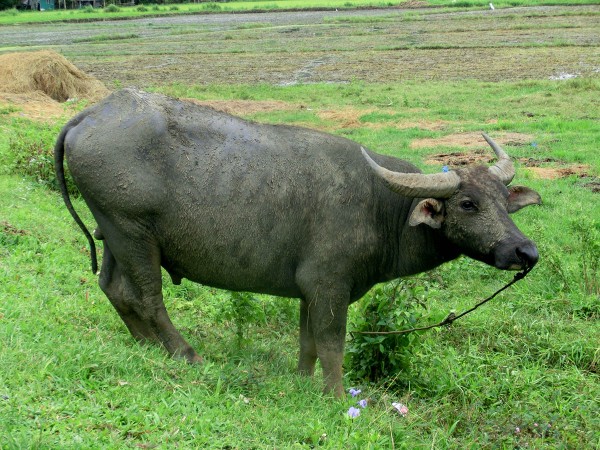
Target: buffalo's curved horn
504 168
418 185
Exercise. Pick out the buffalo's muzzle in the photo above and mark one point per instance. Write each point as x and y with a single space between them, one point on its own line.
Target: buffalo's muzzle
528 254
519 255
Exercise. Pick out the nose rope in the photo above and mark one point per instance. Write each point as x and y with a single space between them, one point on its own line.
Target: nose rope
452 317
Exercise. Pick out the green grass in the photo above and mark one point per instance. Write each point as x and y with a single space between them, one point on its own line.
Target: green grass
108 37
14 16
540 108
522 371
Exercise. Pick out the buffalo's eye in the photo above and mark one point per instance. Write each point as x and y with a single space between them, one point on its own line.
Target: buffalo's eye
468 205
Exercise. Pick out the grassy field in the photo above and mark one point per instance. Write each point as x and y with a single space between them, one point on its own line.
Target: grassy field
521 372
125 12
14 16
382 46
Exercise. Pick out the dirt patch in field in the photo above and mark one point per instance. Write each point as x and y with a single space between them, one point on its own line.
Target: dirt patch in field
35 107
593 185
557 168
551 173
457 159
381 45
476 149
430 125
345 117
245 107
7 228
537 167
471 140
351 118
414 4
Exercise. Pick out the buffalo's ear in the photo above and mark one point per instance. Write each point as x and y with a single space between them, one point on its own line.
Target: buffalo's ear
429 211
520 197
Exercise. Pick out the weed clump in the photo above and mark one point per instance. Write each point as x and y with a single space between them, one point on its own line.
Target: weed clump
112 9
10 12
33 157
390 307
211 7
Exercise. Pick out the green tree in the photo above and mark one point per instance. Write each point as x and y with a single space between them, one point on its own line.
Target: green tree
8 4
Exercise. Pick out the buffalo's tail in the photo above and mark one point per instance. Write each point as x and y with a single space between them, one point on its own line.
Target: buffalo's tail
59 167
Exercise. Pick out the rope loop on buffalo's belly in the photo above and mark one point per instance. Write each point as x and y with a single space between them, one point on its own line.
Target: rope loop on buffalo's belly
452 317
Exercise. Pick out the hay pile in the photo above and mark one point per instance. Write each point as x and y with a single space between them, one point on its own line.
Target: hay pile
45 75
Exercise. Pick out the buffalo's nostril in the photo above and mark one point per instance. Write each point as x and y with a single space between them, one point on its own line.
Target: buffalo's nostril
528 254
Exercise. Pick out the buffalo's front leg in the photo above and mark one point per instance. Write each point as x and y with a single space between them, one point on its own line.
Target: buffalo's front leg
323 316
308 348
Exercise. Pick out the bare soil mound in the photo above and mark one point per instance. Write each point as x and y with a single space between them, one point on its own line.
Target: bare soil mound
47 73
457 159
351 118
471 140
545 168
542 169
345 117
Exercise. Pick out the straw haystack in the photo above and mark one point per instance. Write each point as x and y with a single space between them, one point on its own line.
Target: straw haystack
46 74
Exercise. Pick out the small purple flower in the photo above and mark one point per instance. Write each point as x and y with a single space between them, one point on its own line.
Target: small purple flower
353 412
354 392
445 169
402 409
362 403
517 430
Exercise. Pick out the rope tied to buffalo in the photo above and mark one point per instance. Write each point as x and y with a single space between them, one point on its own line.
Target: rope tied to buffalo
450 318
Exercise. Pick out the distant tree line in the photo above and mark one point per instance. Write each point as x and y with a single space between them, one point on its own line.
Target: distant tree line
7 4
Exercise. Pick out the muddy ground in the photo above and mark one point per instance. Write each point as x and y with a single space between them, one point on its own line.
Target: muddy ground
326 46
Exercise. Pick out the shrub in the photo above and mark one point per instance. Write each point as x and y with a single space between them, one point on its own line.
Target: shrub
587 235
389 307
141 8
34 158
112 9
211 7
243 310
8 109
8 12
581 277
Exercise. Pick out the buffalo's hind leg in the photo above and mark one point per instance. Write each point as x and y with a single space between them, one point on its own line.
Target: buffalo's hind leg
134 287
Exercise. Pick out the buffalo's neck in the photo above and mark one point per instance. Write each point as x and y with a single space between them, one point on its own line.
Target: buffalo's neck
411 249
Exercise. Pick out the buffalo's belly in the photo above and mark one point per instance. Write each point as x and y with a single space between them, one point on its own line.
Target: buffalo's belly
232 252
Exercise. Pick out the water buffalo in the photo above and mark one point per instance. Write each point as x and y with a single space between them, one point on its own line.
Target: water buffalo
271 209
